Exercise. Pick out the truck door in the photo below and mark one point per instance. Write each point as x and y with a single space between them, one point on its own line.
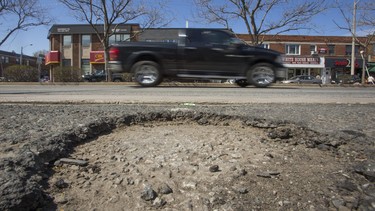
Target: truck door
209 53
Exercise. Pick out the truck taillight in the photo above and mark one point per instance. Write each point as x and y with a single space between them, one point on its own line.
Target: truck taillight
113 54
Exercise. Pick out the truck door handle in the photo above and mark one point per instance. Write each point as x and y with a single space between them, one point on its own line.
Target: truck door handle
190 48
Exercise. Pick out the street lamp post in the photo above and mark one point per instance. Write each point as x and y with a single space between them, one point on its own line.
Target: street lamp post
22 52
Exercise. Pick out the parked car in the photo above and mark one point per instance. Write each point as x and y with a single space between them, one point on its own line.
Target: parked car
303 79
347 79
101 75
200 54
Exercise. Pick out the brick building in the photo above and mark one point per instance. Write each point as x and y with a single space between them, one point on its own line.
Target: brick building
77 45
313 55
8 59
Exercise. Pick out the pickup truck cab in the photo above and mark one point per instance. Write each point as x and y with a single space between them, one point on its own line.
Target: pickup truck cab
197 54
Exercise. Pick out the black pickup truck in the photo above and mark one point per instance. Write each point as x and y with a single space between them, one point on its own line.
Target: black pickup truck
197 54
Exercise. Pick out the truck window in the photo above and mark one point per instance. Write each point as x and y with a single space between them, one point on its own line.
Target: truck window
208 37
215 37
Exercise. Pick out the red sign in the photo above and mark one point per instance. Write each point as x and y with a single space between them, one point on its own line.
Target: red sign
97 57
345 63
323 50
301 60
52 57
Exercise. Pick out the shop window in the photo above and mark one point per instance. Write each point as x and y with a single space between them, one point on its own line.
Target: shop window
86 41
85 66
66 62
67 41
331 49
292 49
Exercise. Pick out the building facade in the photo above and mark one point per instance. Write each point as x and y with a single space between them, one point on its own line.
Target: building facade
318 55
78 46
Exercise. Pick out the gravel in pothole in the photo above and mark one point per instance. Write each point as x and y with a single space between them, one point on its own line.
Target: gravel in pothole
188 166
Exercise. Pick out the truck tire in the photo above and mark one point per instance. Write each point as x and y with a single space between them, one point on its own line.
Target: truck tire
261 75
147 73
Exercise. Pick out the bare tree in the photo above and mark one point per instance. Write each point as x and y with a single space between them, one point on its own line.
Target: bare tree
261 17
106 15
365 17
358 16
20 15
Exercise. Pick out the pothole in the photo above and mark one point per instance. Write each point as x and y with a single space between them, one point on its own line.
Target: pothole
200 164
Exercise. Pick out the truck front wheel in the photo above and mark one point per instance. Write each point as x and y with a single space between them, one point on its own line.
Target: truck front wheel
261 75
147 73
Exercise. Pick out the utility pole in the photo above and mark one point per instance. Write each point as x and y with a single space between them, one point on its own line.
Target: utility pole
352 63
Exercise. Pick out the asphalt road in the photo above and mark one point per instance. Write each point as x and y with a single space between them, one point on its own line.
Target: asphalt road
183 93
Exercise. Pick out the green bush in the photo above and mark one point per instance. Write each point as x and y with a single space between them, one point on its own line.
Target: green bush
21 73
67 74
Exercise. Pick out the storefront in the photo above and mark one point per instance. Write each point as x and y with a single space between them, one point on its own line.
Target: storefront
342 66
303 65
97 60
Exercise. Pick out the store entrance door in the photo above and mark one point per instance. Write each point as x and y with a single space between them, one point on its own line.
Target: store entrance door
302 72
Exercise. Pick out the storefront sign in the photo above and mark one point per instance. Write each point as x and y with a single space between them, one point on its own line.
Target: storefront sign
342 63
63 30
345 63
97 57
52 57
301 60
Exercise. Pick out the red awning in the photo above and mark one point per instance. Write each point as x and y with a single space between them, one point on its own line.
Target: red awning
52 57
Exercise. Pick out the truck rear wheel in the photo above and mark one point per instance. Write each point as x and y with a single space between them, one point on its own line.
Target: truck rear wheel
261 75
147 73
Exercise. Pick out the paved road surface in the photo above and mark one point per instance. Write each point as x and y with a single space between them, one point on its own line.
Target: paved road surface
223 94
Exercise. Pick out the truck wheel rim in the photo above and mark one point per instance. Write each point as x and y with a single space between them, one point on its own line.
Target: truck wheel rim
147 74
263 75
